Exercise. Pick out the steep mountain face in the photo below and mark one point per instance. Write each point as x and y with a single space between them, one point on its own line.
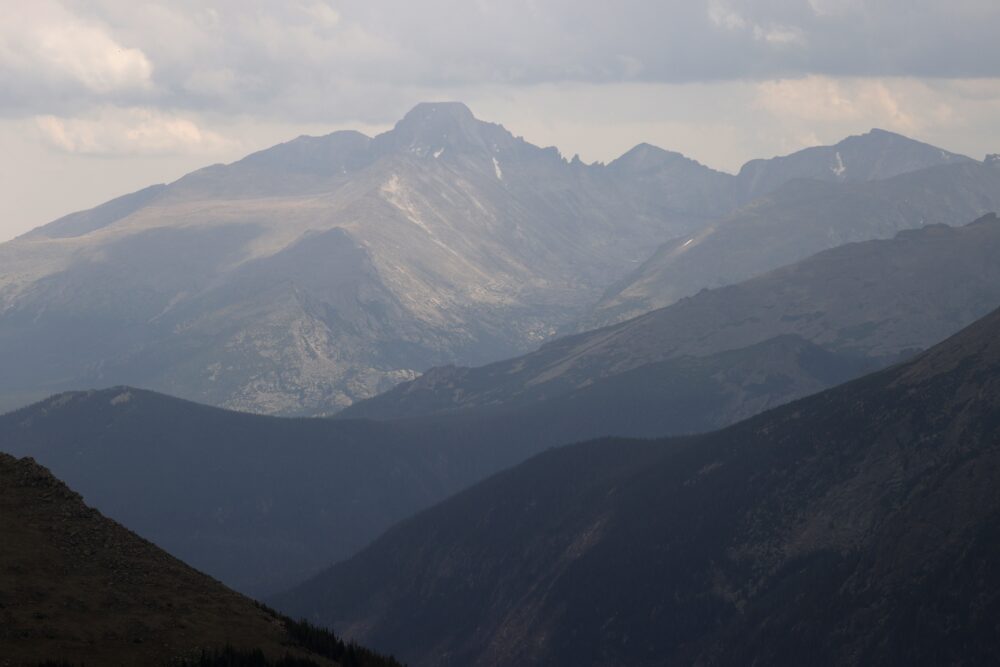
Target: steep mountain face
80 588
857 526
797 220
323 270
875 300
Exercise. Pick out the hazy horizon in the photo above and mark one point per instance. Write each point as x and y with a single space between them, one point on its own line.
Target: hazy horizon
535 332
101 100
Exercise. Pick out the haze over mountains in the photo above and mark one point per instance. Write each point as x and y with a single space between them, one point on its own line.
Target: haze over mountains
264 502
798 219
421 391
325 269
259 502
309 277
857 526
226 491
876 301
874 156
322 271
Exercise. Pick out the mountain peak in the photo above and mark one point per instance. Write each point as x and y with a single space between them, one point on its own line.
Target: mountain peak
879 132
439 121
873 134
434 112
879 139
437 126
875 155
646 156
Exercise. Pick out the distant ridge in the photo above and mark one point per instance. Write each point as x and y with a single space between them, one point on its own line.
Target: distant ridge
856 526
449 240
325 270
875 155
798 219
873 300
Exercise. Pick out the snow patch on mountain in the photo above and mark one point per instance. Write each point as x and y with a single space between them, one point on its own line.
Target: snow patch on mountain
838 168
122 398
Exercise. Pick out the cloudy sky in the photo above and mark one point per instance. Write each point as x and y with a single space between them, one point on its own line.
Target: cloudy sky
101 97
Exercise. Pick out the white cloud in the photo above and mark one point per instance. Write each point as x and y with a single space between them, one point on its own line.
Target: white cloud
322 60
88 55
724 16
836 7
779 35
43 45
132 131
821 99
323 13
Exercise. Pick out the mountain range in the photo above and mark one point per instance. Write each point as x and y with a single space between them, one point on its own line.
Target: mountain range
226 491
325 270
856 526
264 502
376 329
875 300
798 219
320 271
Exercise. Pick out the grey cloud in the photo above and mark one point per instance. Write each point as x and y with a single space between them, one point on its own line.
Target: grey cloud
353 58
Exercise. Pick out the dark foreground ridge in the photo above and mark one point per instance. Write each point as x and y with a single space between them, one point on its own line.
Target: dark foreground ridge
858 526
78 588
